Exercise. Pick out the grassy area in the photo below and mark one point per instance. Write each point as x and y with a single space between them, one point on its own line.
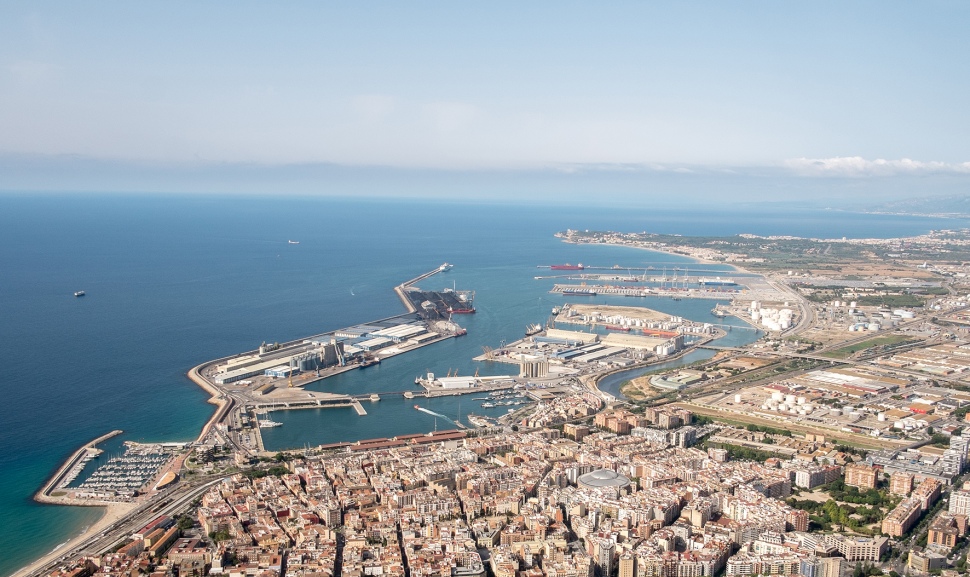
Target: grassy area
846 352
890 300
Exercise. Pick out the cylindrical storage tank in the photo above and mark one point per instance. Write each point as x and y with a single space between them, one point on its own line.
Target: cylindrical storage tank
782 407
777 396
835 412
852 304
737 398
808 407
881 417
793 410
765 407
755 315
874 326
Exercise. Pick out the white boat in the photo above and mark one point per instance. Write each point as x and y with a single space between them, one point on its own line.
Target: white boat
266 424
79 294
293 241
445 267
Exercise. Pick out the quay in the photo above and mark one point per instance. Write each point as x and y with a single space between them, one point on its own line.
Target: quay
77 458
402 288
612 290
272 377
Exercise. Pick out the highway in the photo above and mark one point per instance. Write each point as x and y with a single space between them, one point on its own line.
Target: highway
168 502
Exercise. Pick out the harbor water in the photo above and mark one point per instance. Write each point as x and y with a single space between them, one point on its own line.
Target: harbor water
172 281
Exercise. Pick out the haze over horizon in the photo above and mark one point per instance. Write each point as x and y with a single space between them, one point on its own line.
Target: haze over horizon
416 99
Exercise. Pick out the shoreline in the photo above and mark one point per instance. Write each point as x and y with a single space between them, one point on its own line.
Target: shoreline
113 512
696 259
110 515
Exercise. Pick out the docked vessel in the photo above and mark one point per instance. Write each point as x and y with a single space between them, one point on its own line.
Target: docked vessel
533 329
267 424
717 281
580 291
79 294
617 328
556 310
567 266
446 267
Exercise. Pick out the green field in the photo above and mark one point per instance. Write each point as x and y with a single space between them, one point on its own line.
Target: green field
846 352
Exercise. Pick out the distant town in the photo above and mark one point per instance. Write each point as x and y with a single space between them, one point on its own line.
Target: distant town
831 444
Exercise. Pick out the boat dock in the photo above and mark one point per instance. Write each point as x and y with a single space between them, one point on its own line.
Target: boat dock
358 407
627 291
60 477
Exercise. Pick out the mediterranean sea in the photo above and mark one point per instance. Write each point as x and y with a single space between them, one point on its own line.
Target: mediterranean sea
172 281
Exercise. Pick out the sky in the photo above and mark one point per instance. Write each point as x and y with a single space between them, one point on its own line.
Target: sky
109 95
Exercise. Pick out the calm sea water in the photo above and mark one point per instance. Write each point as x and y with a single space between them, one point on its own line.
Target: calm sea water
173 281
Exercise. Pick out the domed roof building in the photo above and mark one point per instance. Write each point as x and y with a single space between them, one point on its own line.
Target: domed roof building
605 479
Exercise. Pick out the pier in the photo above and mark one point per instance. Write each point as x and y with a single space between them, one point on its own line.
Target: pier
402 288
627 291
57 480
358 407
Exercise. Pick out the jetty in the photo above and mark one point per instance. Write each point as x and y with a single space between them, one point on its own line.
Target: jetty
77 459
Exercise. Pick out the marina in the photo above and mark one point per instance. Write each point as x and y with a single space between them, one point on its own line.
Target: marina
122 477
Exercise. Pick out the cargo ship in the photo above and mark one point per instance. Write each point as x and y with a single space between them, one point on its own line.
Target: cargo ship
718 281
584 292
567 266
533 330
617 328
461 310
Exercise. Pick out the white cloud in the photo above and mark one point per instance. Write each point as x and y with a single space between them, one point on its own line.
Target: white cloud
858 166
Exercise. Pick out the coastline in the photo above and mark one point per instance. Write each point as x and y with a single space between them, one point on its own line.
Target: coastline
112 514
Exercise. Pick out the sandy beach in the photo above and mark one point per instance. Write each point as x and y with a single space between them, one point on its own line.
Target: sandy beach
112 514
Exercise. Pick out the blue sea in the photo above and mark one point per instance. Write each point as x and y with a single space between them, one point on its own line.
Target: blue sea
172 281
